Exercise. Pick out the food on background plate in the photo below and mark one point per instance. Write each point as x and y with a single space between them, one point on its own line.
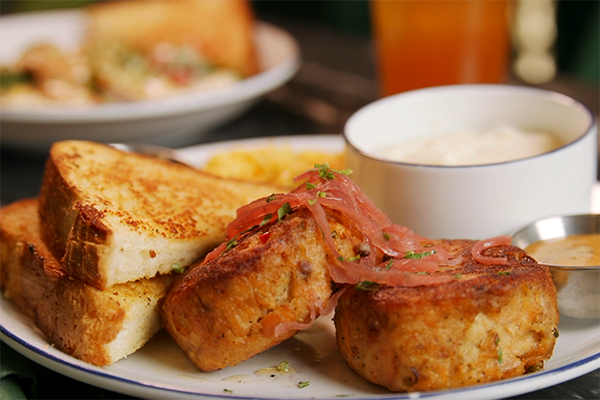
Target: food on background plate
258 288
46 74
220 31
177 45
501 144
271 164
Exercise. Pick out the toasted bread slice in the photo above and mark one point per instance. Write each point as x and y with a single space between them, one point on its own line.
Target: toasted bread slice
22 278
222 31
490 322
96 326
116 217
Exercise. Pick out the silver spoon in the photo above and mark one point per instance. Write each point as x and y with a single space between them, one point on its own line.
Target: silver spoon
163 152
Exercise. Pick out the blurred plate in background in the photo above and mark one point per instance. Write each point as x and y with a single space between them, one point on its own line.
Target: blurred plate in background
174 121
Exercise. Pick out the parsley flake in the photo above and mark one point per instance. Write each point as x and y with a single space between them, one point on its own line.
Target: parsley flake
355 258
266 219
326 172
231 243
367 286
416 256
283 211
283 366
177 268
303 384
389 264
319 194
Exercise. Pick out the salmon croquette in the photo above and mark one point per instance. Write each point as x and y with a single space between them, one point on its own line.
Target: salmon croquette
490 322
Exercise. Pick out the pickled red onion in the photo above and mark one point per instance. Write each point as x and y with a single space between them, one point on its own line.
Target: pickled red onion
480 246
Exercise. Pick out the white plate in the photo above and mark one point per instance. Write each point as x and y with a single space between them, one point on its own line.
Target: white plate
175 121
161 370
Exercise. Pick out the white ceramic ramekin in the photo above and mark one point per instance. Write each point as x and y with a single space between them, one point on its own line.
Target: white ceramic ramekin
479 201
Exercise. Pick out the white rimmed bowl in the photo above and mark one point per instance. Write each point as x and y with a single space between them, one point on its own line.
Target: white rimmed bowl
175 121
476 201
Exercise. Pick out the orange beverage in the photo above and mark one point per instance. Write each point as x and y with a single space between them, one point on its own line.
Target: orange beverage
423 43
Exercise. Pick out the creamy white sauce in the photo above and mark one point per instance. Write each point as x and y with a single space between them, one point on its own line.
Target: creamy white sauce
505 143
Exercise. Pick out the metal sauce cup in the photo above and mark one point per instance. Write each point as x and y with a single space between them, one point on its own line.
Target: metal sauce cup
578 287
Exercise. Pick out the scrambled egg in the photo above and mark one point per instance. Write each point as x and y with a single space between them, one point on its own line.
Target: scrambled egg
276 165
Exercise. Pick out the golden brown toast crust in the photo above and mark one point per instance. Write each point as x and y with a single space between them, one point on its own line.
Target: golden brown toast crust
104 207
27 267
226 311
82 321
491 322
77 318
223 31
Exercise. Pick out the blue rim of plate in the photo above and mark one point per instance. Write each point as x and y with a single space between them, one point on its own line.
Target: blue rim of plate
585 365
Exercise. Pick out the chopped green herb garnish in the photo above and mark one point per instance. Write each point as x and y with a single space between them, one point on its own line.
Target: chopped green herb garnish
412 254
271 198
303 384
386 236
457 276
8 79
504 273
283 211
283 366
231 243
324 171
327 173
389 264
177 268
310 186
367 286
499 356
355 258
319 194
266 219
227 391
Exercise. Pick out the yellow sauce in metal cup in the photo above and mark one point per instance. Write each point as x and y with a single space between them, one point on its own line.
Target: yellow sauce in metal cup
573 250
